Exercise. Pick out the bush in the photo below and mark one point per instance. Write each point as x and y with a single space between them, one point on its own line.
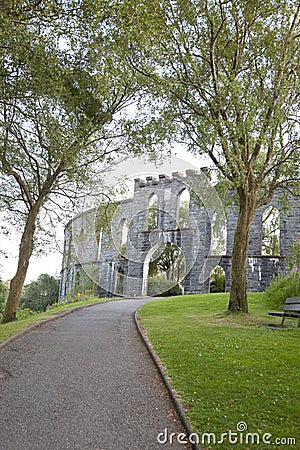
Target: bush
3 295
162 287
293 261
281 288
39 294
75 295
217 280
218 285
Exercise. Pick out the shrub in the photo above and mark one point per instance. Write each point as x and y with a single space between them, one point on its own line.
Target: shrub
281 288
39 294
23 313
293 261
75 295
163 287
3 295
217 280
174 290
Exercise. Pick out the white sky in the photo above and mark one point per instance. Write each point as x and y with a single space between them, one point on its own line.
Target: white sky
51 264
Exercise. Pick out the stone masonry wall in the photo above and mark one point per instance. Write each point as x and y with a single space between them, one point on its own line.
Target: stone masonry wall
89 253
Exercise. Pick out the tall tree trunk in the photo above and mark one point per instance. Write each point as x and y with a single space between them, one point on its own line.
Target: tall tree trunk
17 282
238 290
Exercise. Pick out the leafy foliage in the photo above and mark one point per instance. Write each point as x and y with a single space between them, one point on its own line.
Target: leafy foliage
293 260
40 294
226 75
184 214
153 211
288 285
282 288
63 88
3 295
166 271
160 286
271 232
167 259
217 280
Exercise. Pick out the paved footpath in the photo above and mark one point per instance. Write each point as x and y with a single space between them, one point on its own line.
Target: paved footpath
84 382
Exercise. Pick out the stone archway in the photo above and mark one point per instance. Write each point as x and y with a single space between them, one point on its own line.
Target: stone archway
164 269
217 280
119 290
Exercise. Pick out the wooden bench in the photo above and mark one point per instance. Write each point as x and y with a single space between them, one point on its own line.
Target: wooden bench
291 308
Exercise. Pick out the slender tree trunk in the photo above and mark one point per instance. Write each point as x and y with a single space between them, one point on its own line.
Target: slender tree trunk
17 282
238 290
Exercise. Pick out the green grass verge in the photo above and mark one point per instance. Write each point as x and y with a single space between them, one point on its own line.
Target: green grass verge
10 329
229 368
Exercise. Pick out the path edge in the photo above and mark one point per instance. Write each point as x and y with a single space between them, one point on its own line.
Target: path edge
176 402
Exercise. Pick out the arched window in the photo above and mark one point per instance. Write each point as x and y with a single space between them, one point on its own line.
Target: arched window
218 236
183 209
164 270
119 281
217 280
123 236
270 231
99 241
152 218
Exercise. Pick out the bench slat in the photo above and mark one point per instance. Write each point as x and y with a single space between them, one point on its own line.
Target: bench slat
287 313
294 307
292 300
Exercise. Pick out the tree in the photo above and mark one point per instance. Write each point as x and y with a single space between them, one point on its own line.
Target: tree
166 271
227 73
169 261
60 110
184 214
153 213
41 293
3 295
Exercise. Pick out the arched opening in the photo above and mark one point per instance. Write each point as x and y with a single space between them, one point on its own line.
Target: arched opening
183 209
218 236
123 237
270 244
164 270
152 213
217 280
99 241
119 281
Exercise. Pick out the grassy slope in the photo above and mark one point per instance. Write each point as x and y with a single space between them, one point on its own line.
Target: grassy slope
229 368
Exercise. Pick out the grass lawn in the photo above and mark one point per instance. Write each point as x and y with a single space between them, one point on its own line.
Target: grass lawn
9 329
229 368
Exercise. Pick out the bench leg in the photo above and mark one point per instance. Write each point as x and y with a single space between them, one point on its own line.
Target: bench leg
282 321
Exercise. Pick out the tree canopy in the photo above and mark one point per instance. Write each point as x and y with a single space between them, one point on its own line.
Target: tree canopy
41 293
227 75
63 88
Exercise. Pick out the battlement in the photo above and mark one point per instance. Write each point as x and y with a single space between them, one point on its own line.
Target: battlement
162 179
140 183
